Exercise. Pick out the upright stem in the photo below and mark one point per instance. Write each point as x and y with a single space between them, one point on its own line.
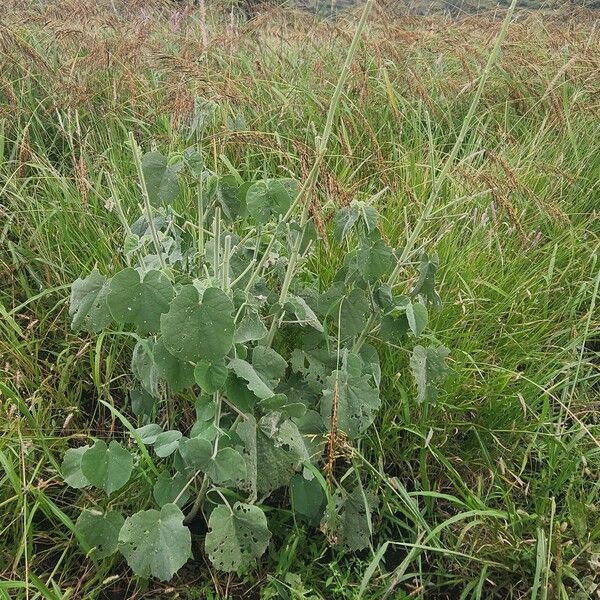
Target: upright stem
147 206
309 184
443 174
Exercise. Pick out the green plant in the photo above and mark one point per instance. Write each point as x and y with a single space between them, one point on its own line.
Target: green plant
283 378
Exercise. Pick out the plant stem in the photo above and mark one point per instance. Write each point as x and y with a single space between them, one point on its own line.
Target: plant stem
146 198
309 184
198 501
441 178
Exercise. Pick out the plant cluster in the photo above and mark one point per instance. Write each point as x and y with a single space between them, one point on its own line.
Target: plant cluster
227 316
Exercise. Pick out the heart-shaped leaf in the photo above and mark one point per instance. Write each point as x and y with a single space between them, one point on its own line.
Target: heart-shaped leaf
107 467
156 543
168 488
141 302
194 330
236 536
71 468
88 308
270 198
167 442
210 376
161 179
100 531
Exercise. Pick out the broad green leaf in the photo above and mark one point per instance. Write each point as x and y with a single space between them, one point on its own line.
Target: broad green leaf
236 536
269 364
357 402
100 531
425 285
144 368
107 467
210 376
167 488
177 373
269 465
417 317
429 369
227 467
142 403
303 312
167 442
149 433
194 330
350 526
237 392
374 258
141 302
270 198
280 403
244 370
196 453
71 468
161 179
352 318
156 543
87 307
308 498
251 328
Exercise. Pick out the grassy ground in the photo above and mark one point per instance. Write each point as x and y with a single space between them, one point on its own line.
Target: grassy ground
505 467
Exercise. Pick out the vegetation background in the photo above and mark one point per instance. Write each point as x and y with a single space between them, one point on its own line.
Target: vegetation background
505 467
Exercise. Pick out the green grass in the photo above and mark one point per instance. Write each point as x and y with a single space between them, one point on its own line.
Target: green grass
492 492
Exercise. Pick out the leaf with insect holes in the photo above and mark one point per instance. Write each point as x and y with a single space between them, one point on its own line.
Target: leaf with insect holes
177 373
139 301
71 468
303 312
227 467
210 376
156 543
269 465
107 467
161 179
251 328
348 520
87 307
195 329
357 402
100 531
236 536
429 369
167 488
425 285
270 198
244 370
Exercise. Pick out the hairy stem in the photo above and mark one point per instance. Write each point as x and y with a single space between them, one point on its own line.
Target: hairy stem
147 206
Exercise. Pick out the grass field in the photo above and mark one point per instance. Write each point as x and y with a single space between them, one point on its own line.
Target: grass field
502 472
